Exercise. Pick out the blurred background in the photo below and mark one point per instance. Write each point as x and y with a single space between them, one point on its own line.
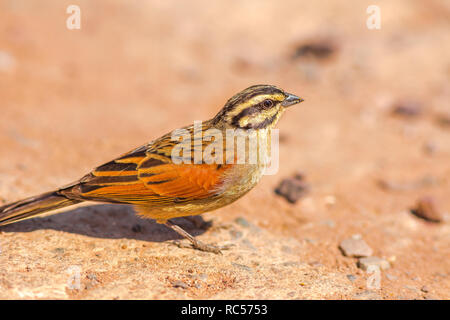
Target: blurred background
371 140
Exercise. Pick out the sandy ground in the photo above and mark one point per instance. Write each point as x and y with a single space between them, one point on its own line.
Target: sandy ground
73 99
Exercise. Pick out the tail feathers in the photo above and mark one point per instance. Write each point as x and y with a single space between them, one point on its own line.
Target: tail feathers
33 206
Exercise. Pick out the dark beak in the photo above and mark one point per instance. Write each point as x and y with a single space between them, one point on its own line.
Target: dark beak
290 100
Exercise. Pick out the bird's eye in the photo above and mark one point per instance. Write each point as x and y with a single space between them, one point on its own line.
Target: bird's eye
267 103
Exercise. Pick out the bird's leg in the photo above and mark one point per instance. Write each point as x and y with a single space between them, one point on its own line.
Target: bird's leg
196 244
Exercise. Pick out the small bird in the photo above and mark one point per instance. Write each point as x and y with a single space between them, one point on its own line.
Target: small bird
159 186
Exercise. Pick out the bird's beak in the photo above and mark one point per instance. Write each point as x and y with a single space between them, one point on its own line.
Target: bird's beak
290 100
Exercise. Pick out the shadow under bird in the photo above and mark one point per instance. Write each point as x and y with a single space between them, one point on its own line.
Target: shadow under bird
160 189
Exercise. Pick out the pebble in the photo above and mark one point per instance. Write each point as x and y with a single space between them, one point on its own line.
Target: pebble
351 277
430 148
329 223
286 249
180 284
408 109
292 189
93 281
235 234
315 264
365 263
92 276
311 241
355 248
391 277
425 289
426 208
197 285
316 48
367 295
241 266
443 120
242 222
248 244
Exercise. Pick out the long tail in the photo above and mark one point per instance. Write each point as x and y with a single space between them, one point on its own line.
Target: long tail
33 206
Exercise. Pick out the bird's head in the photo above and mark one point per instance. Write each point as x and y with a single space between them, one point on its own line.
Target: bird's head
257 107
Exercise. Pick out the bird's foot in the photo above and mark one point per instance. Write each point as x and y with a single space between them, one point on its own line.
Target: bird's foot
198 245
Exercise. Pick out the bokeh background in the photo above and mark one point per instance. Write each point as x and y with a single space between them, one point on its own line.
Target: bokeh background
371 140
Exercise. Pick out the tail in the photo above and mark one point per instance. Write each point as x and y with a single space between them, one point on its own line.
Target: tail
33 206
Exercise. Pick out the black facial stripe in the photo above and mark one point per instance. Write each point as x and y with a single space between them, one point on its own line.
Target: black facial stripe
243 113
246 96
243 97
261 125
251 110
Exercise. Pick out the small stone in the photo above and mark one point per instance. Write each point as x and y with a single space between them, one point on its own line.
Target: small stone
367 295
443 120
427 209
235 234
355 248
429 148
292 189
311 241
330 200
247 243
408 109
357 236
365 263
92 276
392 259
286 249
319 48
315 264
425 289
351 277
329 223
242 222
243 267
391 277
411 288
180 284
202 276
59 250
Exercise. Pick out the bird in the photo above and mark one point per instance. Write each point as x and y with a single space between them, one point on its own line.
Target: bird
165 179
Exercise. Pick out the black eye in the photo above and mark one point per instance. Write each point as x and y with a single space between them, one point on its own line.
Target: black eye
267 103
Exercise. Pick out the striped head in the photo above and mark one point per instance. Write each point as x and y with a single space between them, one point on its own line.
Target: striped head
257 107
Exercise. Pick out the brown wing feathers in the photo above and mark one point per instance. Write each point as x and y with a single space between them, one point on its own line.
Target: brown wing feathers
145 176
